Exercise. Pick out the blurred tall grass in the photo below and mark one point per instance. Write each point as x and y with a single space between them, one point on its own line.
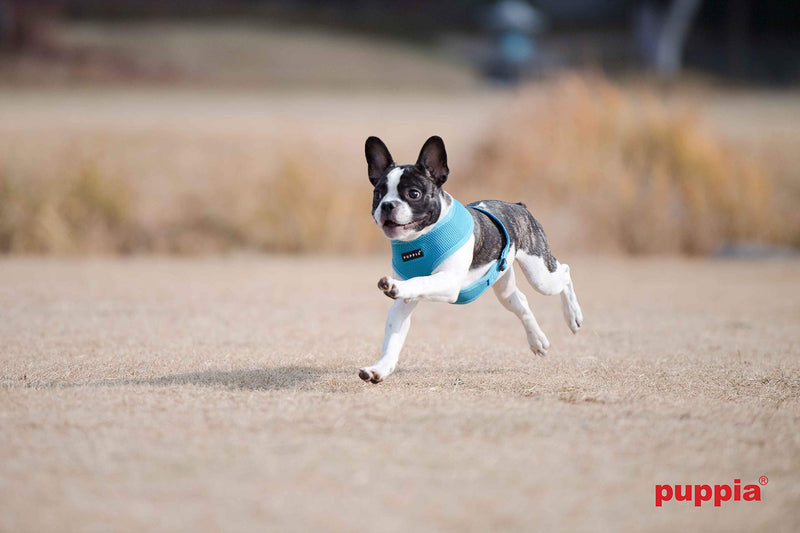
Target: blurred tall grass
619 169
604 167
83 213
299 209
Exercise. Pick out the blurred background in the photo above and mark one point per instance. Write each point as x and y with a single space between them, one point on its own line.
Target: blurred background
207 126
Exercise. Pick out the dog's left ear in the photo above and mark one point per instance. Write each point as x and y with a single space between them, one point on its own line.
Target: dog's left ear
433 158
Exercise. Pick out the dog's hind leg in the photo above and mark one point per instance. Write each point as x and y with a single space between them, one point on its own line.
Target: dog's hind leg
505 288
550 283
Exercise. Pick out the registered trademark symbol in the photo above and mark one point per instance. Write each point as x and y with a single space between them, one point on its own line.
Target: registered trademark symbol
763 480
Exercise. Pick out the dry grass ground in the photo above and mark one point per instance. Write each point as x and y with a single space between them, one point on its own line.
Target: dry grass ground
221 394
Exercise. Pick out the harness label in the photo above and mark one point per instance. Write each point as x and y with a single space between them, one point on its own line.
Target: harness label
413 254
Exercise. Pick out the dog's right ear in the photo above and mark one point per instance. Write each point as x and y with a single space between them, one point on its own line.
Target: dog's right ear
378 159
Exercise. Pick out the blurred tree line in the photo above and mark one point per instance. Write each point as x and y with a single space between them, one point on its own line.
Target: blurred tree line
740 38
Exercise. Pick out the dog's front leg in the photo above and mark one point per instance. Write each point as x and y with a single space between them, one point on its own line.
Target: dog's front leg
443 285
439 287
397 324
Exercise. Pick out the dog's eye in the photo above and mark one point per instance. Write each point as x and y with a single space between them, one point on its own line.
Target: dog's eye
377 194
414 194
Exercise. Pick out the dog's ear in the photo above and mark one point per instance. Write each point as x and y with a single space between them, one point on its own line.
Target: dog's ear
433 158
378 159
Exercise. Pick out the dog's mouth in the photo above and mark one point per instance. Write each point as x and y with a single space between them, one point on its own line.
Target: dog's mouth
392 225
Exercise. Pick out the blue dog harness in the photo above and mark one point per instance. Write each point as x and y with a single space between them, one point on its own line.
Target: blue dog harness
421 256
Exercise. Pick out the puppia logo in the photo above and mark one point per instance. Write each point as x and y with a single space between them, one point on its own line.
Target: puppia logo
704 493
414 254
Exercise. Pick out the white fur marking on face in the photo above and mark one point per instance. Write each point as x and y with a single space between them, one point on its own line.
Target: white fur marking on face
392 181
402 211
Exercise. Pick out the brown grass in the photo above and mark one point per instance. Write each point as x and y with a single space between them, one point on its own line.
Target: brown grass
604 168
296 206
79 212
627 171
306 210
227 136
155 394
189 172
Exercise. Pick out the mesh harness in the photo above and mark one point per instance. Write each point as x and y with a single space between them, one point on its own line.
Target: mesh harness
420 257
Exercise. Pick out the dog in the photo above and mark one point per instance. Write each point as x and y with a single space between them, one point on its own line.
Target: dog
443 251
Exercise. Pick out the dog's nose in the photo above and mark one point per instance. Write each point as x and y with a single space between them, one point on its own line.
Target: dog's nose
387 207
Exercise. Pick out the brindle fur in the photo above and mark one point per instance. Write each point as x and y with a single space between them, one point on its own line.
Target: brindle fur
524 231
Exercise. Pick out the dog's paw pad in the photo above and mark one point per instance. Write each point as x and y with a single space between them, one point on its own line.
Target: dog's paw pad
370 375
389 288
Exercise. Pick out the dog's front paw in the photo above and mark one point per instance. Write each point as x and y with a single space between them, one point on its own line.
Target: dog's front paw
372 374
389 287
539 344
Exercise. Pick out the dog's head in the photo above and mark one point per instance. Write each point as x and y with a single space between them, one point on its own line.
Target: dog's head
407 198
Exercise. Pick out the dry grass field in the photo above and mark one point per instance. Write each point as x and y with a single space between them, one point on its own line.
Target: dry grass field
217 394
182 391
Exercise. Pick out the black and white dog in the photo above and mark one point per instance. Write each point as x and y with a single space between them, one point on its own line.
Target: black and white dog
409 202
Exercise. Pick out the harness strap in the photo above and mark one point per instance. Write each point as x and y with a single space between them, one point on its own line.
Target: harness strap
474 290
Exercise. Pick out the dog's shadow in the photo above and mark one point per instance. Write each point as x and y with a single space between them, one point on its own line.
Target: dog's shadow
256 379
